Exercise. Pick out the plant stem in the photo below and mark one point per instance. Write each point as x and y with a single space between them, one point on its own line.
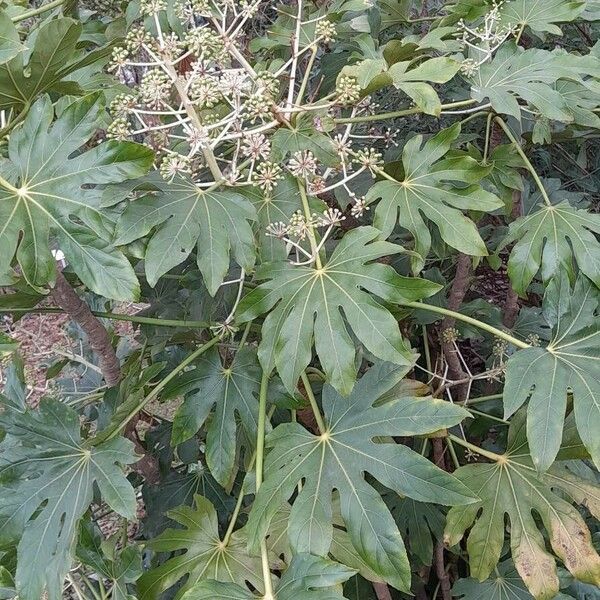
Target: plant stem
311 232
234 516
491 455
313 403
305 79
114 317
482 399
400 113
460 317
260 461
14 122
488 135
37 11
453 454
527 162
492 417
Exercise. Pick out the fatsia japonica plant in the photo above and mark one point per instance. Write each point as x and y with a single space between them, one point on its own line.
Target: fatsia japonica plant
300 300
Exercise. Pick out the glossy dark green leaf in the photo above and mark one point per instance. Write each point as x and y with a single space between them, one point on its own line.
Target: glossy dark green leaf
47 482
233 391
529 75
54 56
45 192
304 302
338 460
425 191
205 556
554 239
183 216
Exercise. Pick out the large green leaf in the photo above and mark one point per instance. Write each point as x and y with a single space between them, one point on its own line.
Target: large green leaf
233 391
339 458
47 481
570 365
541 15
45 192
505 584
205 557
300 293
529 75
553 238
10 44
307 578
184 216
55 55
425 192
513 487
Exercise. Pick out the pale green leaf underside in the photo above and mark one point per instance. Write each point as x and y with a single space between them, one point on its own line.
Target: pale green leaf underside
514 488
54 486
541 15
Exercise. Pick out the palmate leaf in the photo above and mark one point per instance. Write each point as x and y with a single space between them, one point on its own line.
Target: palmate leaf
307 578
505 584
47 481
233 391
10 44
205 557
183 216
294 295
513 487
553 238
45 186
541 15
515 74
425 192
54 55
569 365
339 458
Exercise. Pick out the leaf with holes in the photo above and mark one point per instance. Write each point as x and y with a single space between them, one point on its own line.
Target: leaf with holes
45 192
554 239
513 487
293 295
206 556
47 481
233 390
425 191
515 74
569 365
540 15
307 578
339 458
181 217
